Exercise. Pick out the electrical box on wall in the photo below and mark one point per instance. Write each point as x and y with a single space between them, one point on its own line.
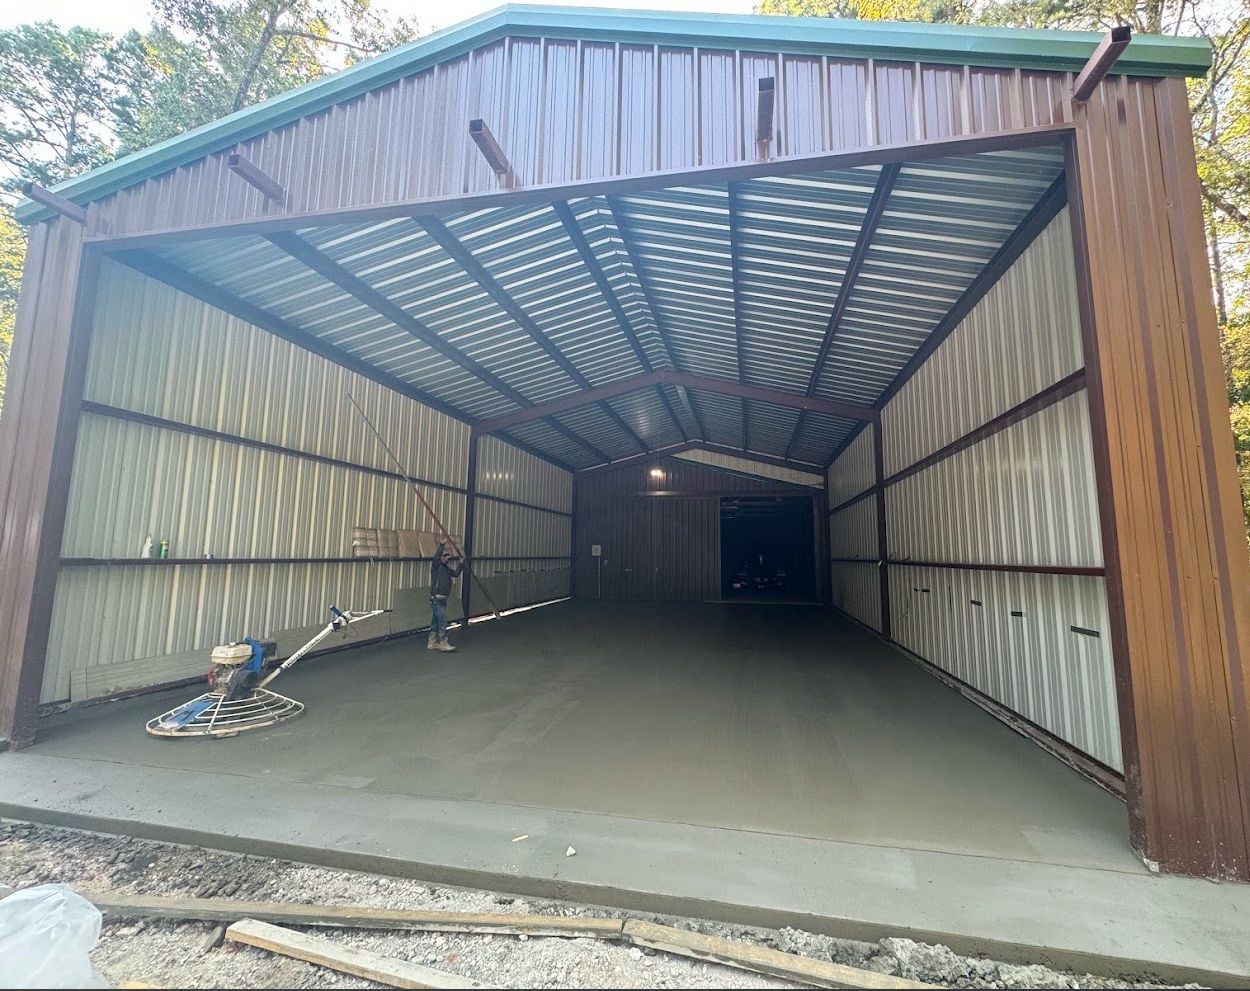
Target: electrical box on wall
596 550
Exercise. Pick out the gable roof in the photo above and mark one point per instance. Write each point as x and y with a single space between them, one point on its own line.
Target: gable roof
1059 51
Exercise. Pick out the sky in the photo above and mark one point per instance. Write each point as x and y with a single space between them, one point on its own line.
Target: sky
120 15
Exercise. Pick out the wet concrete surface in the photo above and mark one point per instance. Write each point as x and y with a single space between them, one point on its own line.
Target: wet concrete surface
766 718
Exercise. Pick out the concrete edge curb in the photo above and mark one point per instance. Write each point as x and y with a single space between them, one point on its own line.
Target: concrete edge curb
626 899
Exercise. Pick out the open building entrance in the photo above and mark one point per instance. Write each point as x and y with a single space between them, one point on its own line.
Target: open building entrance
586 378
768 548
791 426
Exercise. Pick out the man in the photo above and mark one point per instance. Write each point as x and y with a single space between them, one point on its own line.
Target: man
443 571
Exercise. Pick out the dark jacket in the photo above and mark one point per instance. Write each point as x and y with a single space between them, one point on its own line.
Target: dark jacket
441 575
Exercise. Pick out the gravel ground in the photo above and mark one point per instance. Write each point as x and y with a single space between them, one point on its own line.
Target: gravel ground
189 955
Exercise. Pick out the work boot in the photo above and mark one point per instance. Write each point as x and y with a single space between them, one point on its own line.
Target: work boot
431 643
445 646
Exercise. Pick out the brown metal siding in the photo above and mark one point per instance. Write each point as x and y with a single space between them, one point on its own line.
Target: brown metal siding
568 110
37 433
1178 571
663 545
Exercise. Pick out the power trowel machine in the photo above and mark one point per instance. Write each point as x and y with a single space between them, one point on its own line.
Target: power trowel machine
237 698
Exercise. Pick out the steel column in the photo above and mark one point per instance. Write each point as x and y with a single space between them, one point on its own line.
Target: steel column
470 506
38 435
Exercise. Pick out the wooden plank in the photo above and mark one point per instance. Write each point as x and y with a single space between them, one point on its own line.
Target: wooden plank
350 917
347 959
759 958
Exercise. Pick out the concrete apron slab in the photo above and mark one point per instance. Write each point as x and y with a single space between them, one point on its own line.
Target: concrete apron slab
1090 919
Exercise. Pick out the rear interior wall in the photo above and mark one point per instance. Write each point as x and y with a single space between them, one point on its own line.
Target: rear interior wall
1024 496
284 515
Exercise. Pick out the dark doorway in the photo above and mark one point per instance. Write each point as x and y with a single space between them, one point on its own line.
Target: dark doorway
767 548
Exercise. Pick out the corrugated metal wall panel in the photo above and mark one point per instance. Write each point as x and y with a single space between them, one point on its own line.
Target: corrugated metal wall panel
519 583
158 351
854 470
220 498
668 108
509 472
1024 335
171 617
747 466
1035 663
501 529
1025 495
853 531
855 590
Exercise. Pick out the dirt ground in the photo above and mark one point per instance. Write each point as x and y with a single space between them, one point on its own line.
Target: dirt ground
191 955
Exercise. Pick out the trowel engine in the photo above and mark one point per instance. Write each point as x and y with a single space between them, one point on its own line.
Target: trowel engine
237 698
237 667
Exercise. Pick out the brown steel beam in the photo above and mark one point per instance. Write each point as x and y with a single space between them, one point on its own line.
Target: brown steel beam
491 151
854 265
66 208
728 387
883 544
38 433
1105 55
618 219
250 173
476 271
702 383
767 459
437 206
637 459
764 107
362 292
185 282
578 237
1026 232
735 267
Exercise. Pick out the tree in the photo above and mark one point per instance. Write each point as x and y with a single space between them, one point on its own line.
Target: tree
930 11
64 93
12 253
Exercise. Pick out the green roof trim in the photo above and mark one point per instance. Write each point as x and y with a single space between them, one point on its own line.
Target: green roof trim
1059 51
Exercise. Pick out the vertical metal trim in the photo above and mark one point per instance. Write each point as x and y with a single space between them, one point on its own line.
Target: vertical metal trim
470 501
883 554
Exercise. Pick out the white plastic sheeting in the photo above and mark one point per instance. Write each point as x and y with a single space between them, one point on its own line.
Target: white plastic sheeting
1025 495
1023 336
1039 644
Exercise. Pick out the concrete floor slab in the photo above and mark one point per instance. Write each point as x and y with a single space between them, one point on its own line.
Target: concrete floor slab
764 764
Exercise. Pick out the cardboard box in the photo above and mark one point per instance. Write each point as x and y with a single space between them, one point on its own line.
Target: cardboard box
410 543
388 543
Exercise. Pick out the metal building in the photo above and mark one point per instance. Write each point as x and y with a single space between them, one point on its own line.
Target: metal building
596 274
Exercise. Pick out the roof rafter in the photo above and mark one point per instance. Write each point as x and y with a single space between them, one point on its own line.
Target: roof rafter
197 288
587 255
701 445
477 271
735 268
622 230
701 383
872 220
362 292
